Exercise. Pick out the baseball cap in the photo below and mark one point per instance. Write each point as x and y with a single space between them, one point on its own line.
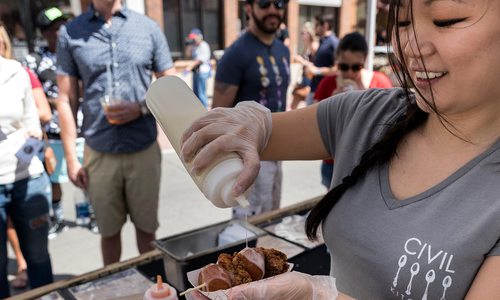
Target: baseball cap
49 16
194 33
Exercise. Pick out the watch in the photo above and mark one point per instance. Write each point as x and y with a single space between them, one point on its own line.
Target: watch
144 109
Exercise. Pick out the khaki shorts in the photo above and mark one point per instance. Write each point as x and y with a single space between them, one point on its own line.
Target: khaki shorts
124 184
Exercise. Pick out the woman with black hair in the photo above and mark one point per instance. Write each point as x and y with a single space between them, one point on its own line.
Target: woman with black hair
414 209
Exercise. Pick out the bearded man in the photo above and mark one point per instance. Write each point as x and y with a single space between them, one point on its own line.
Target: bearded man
257 67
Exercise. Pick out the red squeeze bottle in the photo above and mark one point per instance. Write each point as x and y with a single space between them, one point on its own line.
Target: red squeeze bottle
160 291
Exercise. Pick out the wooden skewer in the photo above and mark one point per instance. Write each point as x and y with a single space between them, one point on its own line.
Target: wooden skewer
193 289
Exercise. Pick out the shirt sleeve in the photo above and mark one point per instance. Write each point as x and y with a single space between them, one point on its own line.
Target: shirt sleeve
327 114
65 63
204 53
495 251
348 118
35 82
380 80
30 116
325 88
229 68
162 59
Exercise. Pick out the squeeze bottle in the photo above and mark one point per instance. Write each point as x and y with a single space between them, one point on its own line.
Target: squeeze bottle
160 291
175 107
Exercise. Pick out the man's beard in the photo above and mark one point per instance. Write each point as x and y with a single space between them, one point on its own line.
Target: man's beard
261 24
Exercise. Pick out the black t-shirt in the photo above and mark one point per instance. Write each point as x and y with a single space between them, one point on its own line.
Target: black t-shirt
325 56
261 72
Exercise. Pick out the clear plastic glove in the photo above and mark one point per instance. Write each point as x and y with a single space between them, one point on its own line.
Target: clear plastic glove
244 129
287 286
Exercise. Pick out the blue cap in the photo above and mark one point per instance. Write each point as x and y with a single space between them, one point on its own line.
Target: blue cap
196 31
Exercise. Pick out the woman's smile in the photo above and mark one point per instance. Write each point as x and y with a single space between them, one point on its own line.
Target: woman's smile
423 79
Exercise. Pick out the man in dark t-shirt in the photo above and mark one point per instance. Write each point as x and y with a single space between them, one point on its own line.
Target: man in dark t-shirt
257 67
324 59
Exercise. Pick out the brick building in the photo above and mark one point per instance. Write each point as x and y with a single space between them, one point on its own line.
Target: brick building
220 20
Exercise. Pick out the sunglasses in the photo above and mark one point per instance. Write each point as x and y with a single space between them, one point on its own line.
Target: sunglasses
264 4
354 67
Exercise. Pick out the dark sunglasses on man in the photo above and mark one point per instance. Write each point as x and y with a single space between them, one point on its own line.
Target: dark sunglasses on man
279 4
354 67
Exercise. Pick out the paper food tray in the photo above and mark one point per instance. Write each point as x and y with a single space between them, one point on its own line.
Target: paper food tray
269 241
217 295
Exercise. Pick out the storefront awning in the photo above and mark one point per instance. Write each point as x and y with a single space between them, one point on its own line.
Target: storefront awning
332 3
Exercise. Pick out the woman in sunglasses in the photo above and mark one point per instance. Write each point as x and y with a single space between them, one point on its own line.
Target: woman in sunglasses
351 57
351 75
414 209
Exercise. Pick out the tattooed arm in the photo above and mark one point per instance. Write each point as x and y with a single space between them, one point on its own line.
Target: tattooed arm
224 94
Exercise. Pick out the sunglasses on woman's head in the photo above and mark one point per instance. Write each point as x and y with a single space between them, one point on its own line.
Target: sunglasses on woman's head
264 4
355 67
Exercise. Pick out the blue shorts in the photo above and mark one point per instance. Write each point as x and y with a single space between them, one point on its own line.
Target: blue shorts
60 174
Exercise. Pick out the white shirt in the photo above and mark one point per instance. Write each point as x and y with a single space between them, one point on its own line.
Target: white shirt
18 116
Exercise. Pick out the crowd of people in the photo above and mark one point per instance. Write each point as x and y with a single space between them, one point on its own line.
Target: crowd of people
406 159
79 94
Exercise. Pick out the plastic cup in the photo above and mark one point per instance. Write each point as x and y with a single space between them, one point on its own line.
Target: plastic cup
109 104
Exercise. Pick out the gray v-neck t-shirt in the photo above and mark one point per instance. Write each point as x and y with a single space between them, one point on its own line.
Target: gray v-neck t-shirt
429 246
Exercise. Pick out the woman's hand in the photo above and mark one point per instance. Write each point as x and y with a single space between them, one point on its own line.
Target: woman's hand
34 133
195 295
287 286
244 129
346 85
